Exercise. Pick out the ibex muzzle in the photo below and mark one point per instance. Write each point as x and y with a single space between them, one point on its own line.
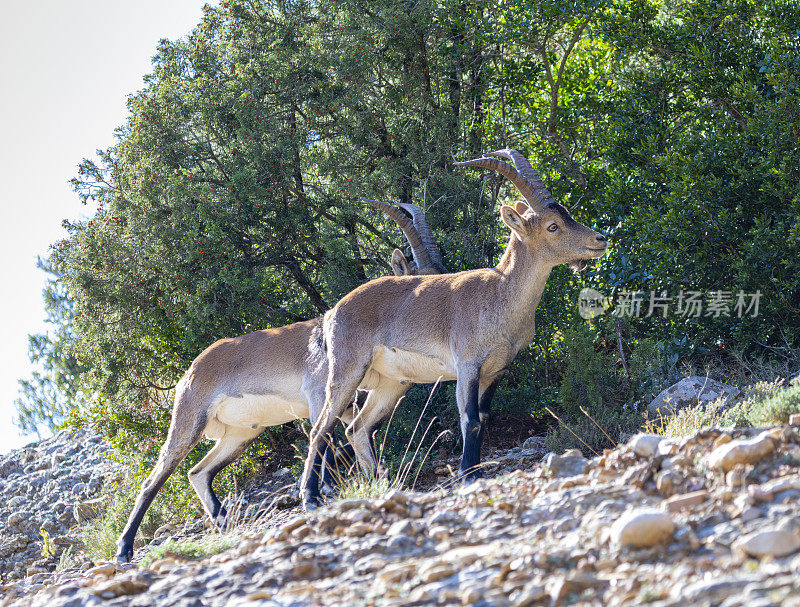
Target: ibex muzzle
467 326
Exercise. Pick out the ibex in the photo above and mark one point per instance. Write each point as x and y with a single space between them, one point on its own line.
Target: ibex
466 326
238 387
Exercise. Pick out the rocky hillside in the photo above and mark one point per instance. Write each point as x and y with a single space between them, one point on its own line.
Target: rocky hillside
713 519
46 488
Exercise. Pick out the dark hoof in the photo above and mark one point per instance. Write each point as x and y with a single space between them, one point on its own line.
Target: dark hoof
469 476
124 556
311 503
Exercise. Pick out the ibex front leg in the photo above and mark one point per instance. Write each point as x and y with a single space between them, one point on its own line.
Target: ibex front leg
467 392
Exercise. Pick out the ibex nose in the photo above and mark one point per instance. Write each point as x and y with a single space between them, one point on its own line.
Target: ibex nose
601 238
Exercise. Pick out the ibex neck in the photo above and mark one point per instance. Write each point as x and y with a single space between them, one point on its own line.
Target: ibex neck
523 275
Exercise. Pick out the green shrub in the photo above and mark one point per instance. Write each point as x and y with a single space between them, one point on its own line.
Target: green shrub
764 404
766 407
206 546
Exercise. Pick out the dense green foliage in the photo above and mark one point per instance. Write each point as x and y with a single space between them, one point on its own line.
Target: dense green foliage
230 202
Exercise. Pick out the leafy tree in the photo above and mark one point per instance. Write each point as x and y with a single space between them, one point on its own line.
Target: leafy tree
230 201
702 166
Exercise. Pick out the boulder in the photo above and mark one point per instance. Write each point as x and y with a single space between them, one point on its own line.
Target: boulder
691 391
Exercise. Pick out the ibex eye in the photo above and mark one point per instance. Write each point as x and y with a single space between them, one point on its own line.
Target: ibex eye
552 227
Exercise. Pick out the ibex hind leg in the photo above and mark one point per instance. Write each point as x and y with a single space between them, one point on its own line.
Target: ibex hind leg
227 449
185 432
379 406
339 397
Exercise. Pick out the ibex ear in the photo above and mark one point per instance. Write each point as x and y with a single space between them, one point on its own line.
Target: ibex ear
400 266
521 208
513 220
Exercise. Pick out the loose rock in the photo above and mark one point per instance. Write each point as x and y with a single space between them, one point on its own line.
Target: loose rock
642 528
743 451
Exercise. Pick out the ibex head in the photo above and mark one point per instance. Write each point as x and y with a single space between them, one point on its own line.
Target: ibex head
541 222
419 236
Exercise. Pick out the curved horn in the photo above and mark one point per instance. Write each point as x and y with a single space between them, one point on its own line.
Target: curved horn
425 233
522 175
418 249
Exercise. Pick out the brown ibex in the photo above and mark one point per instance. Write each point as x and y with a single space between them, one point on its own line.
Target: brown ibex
466 326
238 387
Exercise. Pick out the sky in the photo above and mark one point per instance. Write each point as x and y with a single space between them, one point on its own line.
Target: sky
67 69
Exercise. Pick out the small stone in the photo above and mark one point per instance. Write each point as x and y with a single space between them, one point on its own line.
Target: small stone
722 439
120 587
435 572
686 500
784 483
742 451
794 419
643 528
667 482
737 477
750 513
566 465
645 445
771 542
109 568
758 495
401 527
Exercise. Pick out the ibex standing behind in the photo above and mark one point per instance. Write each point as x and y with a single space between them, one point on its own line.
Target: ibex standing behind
238 387
467 326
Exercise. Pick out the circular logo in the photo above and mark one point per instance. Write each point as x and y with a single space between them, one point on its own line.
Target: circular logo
592 303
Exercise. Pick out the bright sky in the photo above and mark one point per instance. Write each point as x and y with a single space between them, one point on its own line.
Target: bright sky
66 68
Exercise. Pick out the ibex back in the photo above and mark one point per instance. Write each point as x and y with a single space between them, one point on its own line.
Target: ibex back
467 326
238 387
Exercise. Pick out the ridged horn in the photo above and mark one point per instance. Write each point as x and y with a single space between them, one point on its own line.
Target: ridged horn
425 233
522 175
418 249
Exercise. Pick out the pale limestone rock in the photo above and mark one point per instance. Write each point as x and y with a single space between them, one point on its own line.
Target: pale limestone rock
742 451
645 445
667 482
691 391
784 483
686 500
776 542
569 464
643 528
